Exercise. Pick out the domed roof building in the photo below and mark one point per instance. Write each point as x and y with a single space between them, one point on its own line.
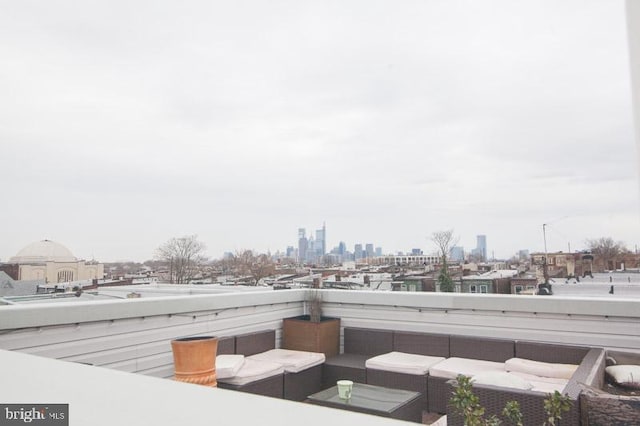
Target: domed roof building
54 263
43 251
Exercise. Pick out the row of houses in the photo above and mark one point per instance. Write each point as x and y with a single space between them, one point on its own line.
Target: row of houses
566 265
492 282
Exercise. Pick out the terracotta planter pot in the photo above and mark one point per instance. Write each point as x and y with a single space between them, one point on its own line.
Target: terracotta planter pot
194 360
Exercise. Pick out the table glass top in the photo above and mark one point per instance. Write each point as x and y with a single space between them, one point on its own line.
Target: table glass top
367 396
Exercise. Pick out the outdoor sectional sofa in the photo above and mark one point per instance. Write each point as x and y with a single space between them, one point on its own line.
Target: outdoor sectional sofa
420 362
439 353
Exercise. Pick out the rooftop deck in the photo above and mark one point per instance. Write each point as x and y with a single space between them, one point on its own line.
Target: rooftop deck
133 335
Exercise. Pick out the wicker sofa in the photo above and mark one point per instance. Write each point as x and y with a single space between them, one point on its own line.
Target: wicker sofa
493 398
250 344
362 344
295 386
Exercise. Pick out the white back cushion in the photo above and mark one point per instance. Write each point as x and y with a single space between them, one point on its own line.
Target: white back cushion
292 361
537 368
450 368
400 362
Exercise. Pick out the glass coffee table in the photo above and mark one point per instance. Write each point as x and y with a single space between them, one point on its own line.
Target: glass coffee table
377 400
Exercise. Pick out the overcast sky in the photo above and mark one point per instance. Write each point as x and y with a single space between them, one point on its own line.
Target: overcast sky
123 124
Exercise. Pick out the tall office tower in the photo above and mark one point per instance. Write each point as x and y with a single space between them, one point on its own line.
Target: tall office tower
456 254
321 241
303 243
369 250
357 251
342 248
324 238
378 251
482 246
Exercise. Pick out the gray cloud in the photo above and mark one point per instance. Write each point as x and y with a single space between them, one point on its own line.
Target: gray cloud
125 124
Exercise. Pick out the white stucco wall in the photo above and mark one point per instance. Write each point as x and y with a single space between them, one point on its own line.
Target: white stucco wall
633 28
50 270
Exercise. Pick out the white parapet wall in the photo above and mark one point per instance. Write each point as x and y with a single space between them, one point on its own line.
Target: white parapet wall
611 323
134 334
633 33
102 397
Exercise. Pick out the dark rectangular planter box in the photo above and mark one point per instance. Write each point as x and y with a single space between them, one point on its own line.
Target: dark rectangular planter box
300 334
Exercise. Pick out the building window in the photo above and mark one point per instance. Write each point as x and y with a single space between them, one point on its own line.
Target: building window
480 288
518 289
65 276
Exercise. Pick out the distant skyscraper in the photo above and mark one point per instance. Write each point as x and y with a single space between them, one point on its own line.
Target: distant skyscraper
342 248
303 243
416 252
290 251
369 250
321 241
378 251
357 251
457 254
482 246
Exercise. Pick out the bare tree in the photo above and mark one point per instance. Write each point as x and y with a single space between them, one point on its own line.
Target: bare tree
184 257
444 241
607 249
256 266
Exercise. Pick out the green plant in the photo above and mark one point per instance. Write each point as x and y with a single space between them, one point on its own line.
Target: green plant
467 404
511 412
554 406
445 281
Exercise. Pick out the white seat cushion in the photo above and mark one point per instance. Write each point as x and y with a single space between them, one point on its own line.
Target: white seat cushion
253 370
400 362
625 375
291 361
450 368
228 365
502 379
537 368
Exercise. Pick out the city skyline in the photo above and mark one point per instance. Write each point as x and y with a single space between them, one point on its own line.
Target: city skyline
350 247
124 127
